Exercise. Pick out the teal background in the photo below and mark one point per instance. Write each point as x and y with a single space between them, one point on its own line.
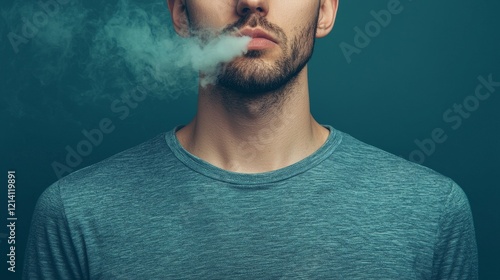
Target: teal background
392 93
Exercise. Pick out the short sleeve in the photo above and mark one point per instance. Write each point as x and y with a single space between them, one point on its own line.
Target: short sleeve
455 255
50 251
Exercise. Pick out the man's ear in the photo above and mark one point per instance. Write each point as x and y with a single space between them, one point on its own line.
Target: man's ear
178 13
327 15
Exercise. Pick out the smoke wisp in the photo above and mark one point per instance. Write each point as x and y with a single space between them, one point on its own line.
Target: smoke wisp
100 52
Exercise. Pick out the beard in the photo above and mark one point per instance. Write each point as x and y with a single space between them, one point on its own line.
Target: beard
251 76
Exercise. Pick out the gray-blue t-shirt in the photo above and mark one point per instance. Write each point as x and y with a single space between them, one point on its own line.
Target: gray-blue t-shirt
348 211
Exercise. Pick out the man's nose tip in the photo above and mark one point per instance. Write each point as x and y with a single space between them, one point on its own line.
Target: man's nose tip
246 7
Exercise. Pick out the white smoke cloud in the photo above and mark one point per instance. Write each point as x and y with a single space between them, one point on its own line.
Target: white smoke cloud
141 41
99 53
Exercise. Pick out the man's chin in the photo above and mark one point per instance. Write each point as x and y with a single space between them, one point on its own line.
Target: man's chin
254 76
251 86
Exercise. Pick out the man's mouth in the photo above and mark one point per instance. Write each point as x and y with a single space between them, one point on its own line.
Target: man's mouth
260 39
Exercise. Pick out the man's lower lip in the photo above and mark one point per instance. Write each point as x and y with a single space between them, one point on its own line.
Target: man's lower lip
260 44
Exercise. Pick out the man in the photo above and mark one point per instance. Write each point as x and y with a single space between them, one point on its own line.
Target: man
254 187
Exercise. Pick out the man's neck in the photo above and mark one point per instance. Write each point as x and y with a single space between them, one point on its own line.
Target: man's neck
254 135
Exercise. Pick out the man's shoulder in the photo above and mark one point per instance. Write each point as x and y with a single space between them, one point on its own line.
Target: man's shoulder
377 165
392 182
116 172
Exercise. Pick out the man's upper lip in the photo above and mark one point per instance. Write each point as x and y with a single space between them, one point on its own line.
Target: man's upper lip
257 33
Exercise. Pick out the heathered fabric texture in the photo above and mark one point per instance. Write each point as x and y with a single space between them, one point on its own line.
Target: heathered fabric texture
348 211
